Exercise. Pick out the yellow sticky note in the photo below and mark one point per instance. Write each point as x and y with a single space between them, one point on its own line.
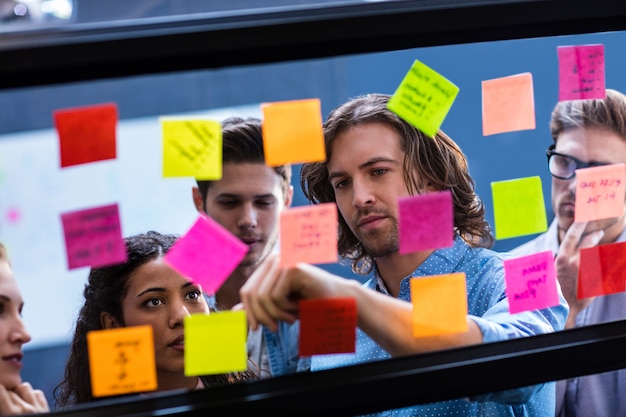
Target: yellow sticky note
423 98
439 304
192 148
121 361
292 132
518 207
600 192
215 343
508 104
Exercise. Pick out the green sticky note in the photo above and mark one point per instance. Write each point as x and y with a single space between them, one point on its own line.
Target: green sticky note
518 207
192 148
423 98
215 343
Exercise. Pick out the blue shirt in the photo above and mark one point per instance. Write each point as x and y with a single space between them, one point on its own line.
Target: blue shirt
489 308
597 395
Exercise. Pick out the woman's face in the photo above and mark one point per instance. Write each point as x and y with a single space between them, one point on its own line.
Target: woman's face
161 297
13 333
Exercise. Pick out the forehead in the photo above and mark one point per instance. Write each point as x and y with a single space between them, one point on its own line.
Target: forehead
155 273
362 143
592 143
247 179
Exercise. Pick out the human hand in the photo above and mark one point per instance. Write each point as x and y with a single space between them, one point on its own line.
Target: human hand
567 264
23 399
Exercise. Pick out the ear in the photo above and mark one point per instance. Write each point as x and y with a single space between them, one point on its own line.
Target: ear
107 321
197 199
289 197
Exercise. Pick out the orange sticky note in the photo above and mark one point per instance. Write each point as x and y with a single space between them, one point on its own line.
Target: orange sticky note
327 325
309 234
292 132
86 134
508 104
439 304
121 361
602 270
600 192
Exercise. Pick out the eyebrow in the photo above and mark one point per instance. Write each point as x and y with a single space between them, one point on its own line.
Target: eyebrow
161 289
239 196
364 165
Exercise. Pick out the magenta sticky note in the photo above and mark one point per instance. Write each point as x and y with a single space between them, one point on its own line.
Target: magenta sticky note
93 237
581 72
531 282
206 254
426 222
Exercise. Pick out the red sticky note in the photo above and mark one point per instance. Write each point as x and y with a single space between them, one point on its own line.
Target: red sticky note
508 104
309 234
602 270
327 325
86 134
581 72
93 237
531 282
206 254
600 192
426 222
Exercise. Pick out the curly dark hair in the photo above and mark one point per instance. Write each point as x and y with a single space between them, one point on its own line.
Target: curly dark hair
438 162
104 292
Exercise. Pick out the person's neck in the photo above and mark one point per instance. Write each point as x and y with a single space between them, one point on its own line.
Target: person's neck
228 294
394 268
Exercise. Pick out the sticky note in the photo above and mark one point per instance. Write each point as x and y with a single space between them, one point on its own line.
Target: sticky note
423 98
531 282
93 237
206 254
601 270
192 148
518 207
581 72
309 234
508 104
439 304
327 326
600 192
86 134
426 222
292 132
216 343
121 360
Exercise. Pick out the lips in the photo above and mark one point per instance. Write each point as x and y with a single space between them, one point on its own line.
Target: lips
15 359
178 342
368 220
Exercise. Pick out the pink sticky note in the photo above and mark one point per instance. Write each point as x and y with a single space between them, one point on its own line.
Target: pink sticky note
309 234
531 282
508 104
600 192
426 222
93 237
86 134
581 72
206 254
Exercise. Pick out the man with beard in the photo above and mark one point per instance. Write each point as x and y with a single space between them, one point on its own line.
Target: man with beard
586 133
373 159
248 201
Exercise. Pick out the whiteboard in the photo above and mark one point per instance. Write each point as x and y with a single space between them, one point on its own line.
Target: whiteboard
35 191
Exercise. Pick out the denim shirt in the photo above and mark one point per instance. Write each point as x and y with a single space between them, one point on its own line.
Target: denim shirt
488 307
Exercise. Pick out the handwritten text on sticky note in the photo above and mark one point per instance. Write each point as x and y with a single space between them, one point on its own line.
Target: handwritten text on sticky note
121 360
423 98
531 282
93 237
600 192
327 326
581 72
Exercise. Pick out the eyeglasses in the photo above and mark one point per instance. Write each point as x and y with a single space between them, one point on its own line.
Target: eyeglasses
563 166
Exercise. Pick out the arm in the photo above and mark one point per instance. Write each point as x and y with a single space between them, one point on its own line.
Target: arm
272 293
22 400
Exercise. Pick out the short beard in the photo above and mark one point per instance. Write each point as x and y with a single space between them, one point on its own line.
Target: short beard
383 243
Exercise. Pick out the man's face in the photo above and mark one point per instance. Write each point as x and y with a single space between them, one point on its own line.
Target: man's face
590 145
247 201
366 173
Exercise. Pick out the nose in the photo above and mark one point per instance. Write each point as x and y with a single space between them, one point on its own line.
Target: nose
248 217
19 334
177 314
362 195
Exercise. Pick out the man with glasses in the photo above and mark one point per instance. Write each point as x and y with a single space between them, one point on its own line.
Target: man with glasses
586 133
